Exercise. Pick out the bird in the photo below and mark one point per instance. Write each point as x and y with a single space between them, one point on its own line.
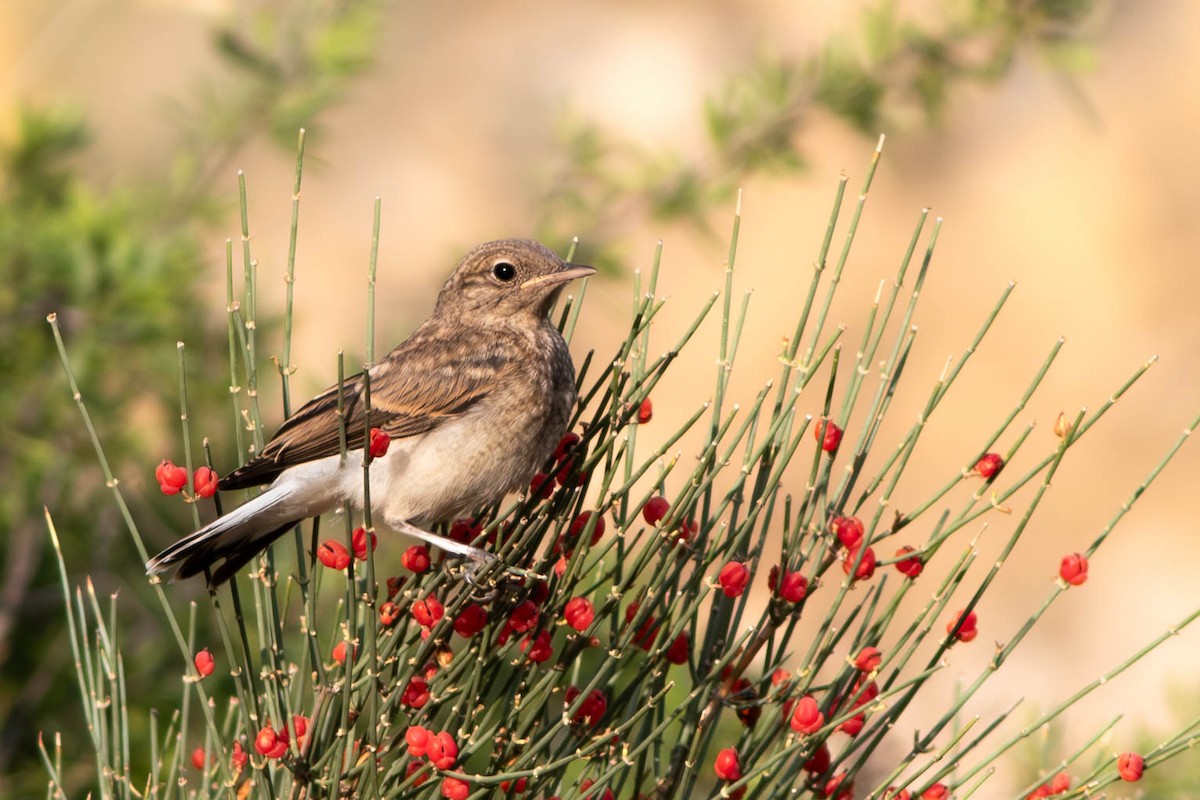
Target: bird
474 403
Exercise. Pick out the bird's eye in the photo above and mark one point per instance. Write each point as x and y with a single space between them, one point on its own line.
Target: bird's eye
504 271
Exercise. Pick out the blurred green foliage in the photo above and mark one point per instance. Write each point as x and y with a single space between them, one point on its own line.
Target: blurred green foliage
116 283
890 72
121 267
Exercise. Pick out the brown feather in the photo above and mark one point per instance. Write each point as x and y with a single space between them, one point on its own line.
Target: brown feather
429 379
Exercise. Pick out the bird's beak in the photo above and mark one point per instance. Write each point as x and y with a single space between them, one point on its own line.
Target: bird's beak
568 273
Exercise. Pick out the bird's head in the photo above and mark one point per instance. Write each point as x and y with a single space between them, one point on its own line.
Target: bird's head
508 277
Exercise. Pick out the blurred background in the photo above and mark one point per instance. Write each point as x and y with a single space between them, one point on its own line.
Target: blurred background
1056 139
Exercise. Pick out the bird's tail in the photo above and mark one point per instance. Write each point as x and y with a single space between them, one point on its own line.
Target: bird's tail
225 545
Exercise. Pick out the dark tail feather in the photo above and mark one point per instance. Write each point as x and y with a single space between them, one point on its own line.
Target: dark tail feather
227 544
234 559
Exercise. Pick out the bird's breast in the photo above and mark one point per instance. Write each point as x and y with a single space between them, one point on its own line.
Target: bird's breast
475 459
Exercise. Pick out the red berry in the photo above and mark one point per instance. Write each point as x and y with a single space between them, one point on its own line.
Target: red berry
359 540
853 726
379 443
807 717
967 631
442 750
539 592
339 652
989 465
677 652
579 613
198 758
566 444
470 621
819 761
1074 569
416 559
726 765
839 788
937 791
1060 783
204 481
455 789
866 564
270 743
794 587
524 617
417 739
868 660
910 566
848 530
890 793
416 693
466 530
537 648
299 726
647 632
333 554
864 694
655 509
687 529
238 757
591 709
204 663
734 577
828 434
428 611
645 411
541 486
171 479
1130 766
580 523
569 474
389 612
413 768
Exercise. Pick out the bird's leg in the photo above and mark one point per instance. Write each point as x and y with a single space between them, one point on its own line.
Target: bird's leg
478 559
449 545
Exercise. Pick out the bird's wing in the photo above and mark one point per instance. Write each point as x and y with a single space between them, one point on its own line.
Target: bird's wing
416 388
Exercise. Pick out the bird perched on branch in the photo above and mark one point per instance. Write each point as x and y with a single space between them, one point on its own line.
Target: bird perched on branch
473 402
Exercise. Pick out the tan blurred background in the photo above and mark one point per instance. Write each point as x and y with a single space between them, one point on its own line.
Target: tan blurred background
1090 203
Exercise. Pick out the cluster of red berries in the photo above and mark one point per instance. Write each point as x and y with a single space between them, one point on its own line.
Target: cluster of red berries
172 479
416 693
655 511
441 751
237 757
273 743
1059 784
334 555
792 589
